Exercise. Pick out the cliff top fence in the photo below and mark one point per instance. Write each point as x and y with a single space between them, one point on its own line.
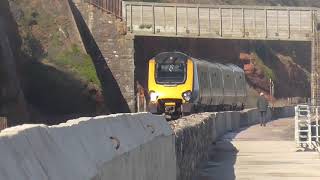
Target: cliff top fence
3 123
110 6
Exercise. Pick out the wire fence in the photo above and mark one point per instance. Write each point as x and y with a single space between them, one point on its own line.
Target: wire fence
110 6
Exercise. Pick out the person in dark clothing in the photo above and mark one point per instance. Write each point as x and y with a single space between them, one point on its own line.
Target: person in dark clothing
262 105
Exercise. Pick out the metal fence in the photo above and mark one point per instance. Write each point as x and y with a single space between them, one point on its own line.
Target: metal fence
307 126
213 21
111 6
3 123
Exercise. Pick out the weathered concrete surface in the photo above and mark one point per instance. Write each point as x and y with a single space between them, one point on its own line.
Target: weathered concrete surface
82 149
261 153
123 146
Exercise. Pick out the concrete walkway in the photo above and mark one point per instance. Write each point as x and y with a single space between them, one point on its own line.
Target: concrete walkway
261 153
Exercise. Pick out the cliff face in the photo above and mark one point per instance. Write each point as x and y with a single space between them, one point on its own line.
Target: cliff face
12 101
45 71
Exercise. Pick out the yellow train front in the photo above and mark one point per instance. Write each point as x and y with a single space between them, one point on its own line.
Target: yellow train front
170 83
179 84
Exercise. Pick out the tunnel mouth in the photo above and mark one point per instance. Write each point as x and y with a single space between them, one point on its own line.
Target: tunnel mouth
284 62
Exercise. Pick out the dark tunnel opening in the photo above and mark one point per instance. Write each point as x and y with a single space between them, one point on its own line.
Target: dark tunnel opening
287 63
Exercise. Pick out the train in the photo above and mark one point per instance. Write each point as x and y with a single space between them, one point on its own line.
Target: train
180 85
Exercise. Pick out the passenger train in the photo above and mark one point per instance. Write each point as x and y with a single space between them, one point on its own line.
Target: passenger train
179 85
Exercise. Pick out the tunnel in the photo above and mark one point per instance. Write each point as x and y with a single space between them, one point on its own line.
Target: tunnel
287 63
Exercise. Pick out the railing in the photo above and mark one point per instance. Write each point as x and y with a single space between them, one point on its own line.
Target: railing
210 21
307 126
3 123
110 6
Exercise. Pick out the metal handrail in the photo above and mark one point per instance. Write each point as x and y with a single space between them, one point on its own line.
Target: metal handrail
110 6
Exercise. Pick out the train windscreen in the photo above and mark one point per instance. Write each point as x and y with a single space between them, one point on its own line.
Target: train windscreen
172 73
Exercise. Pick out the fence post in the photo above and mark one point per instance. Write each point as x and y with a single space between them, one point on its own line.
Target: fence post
266 22
198 20
153 20
3 123
176 20
220 12
289 22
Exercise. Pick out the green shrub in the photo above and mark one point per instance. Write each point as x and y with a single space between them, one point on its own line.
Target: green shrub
79 63
268 72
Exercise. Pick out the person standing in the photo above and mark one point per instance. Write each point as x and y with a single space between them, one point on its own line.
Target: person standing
262 105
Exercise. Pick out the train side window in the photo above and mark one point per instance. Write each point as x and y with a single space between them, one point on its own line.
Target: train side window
213 80
207 83
219 79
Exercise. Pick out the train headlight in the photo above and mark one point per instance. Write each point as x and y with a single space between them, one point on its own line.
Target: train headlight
187 95
153 96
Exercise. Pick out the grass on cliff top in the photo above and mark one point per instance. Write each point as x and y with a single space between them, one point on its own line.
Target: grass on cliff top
77 62
268 72
46 39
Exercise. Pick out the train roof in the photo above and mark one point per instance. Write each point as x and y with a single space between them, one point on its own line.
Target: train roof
235 67
171 57
176 56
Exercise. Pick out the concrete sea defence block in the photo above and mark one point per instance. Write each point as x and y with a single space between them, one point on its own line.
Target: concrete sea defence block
221 126
123 146
235 117
282 112
82 149
243 118
248 117
214 126
228 120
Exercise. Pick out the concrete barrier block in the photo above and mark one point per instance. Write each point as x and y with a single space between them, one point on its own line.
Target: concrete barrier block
214 126
221 123
18 160
235 116
268 115
228 120
244 119
250 117
82 149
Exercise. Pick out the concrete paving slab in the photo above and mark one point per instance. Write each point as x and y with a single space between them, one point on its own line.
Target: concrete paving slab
261 153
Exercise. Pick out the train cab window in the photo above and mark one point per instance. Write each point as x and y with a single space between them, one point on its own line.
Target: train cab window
170 73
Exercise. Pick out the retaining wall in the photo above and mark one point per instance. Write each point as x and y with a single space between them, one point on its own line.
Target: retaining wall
118 147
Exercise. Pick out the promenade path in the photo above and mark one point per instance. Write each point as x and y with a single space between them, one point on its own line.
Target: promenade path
261 153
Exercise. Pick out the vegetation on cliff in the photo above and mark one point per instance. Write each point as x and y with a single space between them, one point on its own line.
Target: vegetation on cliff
59 77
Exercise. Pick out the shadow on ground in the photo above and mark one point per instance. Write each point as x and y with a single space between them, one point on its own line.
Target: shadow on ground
223 155
220 165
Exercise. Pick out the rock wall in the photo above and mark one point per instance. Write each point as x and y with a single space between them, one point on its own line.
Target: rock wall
12 101
112 52
198 130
